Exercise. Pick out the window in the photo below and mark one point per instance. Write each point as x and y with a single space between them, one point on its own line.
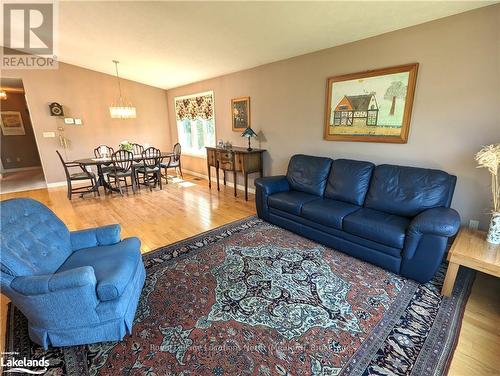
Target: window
195 122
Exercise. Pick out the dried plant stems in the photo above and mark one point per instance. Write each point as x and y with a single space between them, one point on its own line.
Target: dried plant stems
489 157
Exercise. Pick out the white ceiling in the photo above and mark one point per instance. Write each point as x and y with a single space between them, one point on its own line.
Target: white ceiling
168 44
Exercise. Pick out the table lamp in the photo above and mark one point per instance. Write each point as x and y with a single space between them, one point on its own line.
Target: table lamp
249 133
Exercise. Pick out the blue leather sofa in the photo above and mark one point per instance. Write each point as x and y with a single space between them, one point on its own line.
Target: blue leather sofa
74 287
395 217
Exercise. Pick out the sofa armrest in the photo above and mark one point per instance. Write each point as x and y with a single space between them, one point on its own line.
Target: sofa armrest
44 284
93 237
272 184
264 187
436 221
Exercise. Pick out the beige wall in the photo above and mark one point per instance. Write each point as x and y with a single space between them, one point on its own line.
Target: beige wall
18 151
456 108
87 95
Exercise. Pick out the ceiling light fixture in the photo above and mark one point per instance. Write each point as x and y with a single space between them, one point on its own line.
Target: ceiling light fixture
122 109
3 95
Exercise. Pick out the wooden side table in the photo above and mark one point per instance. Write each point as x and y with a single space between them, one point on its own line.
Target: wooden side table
471 249
235 160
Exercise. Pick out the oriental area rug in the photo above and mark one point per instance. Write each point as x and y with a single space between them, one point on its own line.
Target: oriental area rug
250 298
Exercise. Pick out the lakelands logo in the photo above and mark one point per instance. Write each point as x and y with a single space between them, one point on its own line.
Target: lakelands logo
10 364
29 35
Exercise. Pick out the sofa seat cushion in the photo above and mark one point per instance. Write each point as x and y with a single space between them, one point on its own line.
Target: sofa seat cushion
114 266
384 228
291 201
328 212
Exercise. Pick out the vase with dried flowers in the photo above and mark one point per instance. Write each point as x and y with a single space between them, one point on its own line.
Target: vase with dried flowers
489 157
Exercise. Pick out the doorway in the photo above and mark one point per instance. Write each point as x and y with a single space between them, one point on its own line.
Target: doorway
20 168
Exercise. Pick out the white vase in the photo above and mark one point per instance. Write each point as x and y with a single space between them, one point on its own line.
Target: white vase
493 236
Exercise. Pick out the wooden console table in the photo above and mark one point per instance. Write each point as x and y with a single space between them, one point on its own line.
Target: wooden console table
471 249
235 160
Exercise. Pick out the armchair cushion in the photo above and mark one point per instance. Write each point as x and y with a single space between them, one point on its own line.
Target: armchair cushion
33 240
384 228
93 237
43 284
290 202
114 266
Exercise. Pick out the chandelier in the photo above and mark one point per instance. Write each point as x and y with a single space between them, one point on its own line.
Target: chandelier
121 109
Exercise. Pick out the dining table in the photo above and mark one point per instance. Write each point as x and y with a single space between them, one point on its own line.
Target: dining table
106 161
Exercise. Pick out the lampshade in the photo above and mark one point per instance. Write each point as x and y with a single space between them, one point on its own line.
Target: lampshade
122 112
249 132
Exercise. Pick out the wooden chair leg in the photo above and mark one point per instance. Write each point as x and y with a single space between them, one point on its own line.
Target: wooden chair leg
146 176
217 174
118 181
96 188
159 179
180 169
70 189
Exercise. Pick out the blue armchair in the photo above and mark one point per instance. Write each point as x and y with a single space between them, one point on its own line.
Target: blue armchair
74 287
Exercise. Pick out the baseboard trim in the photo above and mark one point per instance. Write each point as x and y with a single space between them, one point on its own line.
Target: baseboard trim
221 181
19 169
56 184
64 184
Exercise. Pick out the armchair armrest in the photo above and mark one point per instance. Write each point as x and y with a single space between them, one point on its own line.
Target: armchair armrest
92 237
437 222
43 284
272 184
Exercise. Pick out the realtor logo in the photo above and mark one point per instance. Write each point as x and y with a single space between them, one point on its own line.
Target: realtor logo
28 35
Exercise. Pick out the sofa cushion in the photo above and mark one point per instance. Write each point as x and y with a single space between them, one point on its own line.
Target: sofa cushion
328 212
114 266
291 201
385 228
308 174
349 180
407 191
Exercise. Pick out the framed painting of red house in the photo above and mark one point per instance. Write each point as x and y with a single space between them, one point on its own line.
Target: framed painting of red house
372 106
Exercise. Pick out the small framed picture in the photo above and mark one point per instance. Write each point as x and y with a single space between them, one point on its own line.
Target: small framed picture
11 123
240 113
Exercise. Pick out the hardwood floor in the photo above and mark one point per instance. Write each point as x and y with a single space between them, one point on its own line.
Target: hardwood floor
186 208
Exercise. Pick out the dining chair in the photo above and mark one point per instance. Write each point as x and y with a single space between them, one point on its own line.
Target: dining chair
121 169
173 162
137 149
104 151
150 169
83 175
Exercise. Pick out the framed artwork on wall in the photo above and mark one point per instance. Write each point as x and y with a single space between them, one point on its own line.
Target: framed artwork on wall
240 113
11 123
372 106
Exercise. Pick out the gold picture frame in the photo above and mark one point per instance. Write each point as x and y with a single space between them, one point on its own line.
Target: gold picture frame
240 113
371 106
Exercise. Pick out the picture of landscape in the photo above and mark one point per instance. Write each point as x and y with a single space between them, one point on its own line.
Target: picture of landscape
371 106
